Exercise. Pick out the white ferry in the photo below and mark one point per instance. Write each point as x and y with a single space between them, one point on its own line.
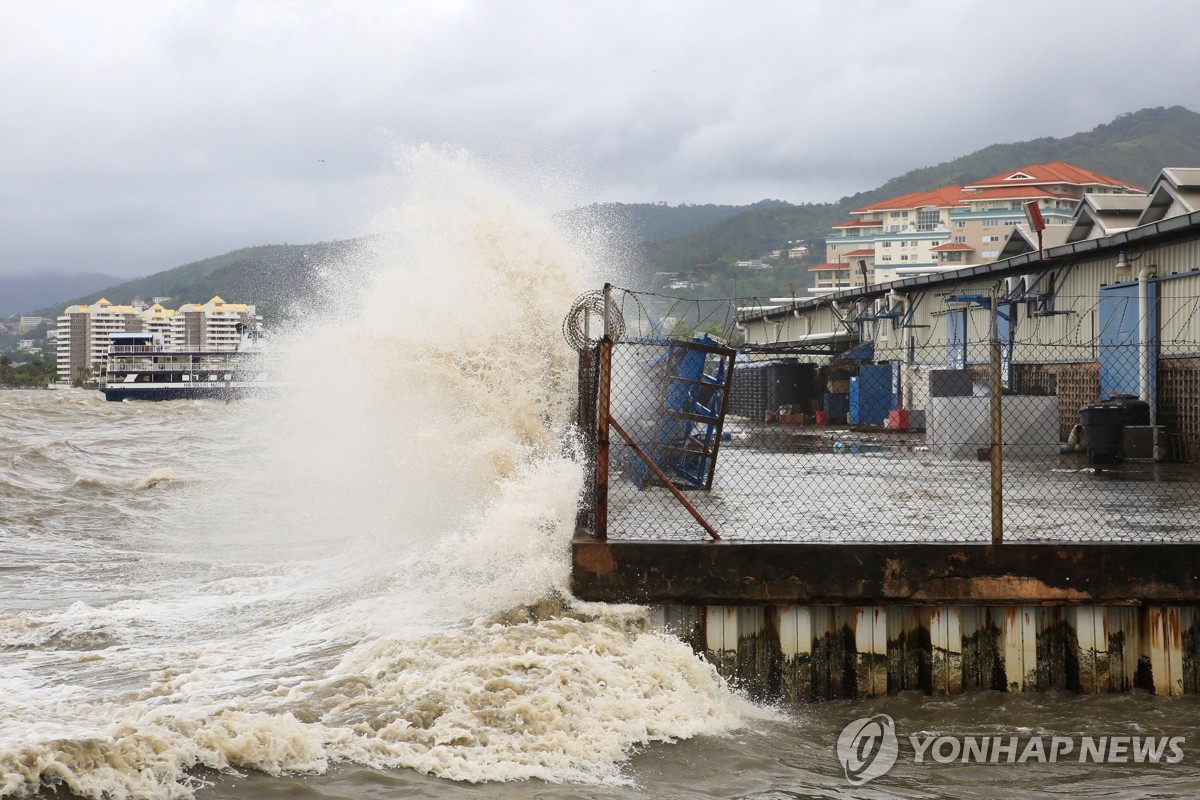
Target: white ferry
140 367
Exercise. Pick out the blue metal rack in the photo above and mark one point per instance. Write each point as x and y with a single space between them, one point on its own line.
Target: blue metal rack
687 434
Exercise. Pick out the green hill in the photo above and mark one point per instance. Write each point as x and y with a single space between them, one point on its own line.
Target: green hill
656 222
276 278
1133 147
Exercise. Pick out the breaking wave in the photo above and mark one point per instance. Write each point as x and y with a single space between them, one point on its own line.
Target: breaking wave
372 569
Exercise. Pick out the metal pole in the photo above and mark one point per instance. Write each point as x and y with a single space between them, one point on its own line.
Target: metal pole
667 481
997 449
586 420
1145 274
602 421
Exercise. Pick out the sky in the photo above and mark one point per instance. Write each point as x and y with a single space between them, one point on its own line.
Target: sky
137 135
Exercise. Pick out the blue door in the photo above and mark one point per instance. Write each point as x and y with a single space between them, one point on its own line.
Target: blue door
1120 341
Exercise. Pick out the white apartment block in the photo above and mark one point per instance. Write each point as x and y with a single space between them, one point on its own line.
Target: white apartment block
84 331
157 320
953 227
215 325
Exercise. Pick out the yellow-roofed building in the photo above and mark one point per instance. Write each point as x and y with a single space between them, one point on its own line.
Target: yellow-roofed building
215 325
84 332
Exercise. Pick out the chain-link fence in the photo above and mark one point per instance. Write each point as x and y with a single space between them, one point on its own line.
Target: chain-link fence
992 422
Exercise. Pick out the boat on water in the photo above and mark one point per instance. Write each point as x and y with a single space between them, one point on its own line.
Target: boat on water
139 366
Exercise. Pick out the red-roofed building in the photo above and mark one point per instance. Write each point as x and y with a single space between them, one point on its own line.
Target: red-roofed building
1058 176
893 233
838 275
910 234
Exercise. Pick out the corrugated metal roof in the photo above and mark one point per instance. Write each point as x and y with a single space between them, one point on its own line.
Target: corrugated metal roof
1184 176
1135 236
1129 203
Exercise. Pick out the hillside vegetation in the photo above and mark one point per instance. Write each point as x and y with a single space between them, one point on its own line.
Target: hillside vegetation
276 278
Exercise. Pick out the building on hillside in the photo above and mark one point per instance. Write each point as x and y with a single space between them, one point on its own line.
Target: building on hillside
84 332
26 324
954 227
857 268
1068 317
215 325
900 233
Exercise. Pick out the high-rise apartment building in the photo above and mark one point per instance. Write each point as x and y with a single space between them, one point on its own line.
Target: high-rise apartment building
83 333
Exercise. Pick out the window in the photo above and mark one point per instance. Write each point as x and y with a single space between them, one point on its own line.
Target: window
904 257
991 223
928 219
886 258
962 223
990 253
991 238
935 244
960 240
899 214
887 244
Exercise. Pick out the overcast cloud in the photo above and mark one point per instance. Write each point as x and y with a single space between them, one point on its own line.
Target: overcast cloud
137 136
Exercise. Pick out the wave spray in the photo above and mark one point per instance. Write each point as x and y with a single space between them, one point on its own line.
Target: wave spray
372 569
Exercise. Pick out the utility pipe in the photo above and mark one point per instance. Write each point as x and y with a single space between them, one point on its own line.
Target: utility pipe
900 301
1144 275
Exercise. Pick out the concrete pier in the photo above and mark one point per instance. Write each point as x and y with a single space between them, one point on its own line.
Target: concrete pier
808 622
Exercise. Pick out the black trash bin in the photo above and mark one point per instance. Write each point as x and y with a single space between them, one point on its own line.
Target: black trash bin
1104 426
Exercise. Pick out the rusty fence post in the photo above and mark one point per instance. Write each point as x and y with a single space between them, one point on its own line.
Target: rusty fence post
602 420
585 420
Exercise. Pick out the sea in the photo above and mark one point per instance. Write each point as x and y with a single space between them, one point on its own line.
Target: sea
360 588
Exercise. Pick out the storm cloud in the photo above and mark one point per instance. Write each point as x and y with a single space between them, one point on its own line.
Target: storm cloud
141 135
